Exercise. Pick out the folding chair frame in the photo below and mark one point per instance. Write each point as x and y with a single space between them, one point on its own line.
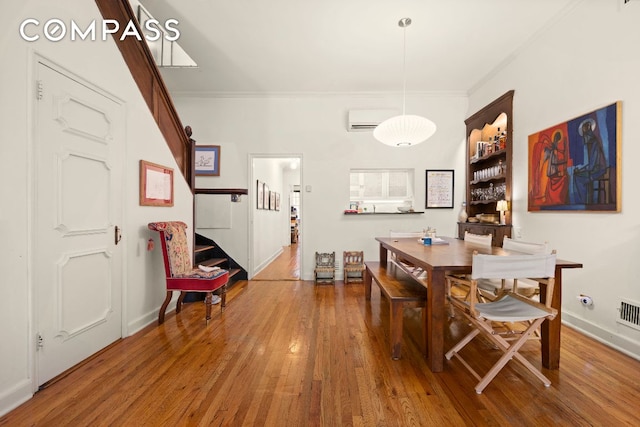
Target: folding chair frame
484 326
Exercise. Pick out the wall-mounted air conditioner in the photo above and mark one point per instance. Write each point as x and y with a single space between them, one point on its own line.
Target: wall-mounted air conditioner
367 120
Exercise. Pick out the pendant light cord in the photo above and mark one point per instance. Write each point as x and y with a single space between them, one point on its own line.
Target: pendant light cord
404 70
402 130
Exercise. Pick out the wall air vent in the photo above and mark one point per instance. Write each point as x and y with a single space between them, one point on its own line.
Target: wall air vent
367 120
629 314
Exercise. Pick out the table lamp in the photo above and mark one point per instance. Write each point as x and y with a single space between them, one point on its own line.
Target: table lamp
502 207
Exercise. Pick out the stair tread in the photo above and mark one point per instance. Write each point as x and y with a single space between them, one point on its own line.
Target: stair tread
211 262
207 253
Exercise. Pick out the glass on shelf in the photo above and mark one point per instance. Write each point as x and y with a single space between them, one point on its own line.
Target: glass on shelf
495 171
491 193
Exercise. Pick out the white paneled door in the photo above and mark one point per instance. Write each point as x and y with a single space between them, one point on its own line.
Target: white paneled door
77 263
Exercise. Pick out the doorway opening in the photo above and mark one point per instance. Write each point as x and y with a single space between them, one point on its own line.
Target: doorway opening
275 234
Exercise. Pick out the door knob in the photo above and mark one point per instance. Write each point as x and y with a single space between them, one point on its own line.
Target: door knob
118 234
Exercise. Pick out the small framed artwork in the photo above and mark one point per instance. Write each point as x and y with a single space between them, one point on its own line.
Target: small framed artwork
156 184
207 160
439 189
277 201
272 200
259 195
265 195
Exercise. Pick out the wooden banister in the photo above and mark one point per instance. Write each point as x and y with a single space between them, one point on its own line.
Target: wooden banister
147 76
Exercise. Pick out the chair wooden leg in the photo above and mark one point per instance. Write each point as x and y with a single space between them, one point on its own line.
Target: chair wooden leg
466 340
208 302
163 308
179 303
223 298
511 352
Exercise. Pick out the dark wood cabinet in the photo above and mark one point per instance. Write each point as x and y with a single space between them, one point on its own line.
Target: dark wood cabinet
488 166
496 230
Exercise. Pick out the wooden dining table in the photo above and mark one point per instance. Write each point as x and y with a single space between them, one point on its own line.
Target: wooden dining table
456 257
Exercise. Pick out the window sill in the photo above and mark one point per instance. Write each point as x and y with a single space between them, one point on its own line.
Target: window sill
384 213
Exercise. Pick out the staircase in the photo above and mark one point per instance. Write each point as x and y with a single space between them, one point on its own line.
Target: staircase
208 253
147 76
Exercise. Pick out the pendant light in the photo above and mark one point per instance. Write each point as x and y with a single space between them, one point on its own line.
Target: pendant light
405 130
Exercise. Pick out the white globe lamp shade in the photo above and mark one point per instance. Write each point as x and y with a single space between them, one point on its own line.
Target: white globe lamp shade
404 130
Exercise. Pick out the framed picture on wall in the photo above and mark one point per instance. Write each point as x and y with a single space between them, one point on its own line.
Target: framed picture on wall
207 160
575 165
156 184
439 189
265 195
259 195
272 200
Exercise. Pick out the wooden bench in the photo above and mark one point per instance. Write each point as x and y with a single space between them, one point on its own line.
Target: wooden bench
401 289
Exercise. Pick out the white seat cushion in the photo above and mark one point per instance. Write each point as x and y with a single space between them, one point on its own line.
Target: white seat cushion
508 309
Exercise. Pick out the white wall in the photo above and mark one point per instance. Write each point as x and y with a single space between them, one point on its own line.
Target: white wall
584 61
267 224
315 125
101 64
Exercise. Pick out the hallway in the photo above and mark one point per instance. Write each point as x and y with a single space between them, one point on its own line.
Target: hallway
285 267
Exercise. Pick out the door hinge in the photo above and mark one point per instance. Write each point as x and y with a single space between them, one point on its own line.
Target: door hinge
39 342
39 89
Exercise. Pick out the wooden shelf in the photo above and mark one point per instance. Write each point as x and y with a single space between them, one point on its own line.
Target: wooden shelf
221 191
484 126
488 156
482 202
383 213
500 177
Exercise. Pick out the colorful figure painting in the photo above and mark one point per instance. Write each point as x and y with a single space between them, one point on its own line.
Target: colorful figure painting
575 165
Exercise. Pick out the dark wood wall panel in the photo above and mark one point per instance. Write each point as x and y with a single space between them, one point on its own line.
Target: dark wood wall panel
147 76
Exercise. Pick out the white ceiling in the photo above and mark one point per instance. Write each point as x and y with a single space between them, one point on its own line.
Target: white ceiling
291 46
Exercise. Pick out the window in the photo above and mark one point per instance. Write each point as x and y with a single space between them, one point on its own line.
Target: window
384 188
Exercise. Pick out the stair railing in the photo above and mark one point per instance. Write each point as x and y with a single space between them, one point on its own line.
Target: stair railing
147 76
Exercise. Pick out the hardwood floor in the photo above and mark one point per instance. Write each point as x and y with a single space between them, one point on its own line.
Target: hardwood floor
289 353
285 267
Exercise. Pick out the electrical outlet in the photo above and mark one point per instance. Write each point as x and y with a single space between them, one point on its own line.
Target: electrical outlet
518 232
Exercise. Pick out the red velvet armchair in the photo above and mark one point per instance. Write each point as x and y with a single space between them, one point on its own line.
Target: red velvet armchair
180 273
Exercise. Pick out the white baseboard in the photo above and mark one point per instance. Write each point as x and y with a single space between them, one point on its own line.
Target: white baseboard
145 320
268 261
606 337
15 396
